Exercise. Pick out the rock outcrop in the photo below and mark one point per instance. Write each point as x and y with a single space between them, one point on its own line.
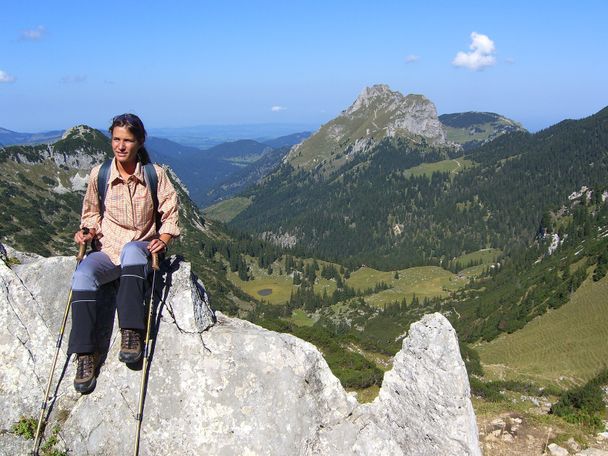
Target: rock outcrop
400 114
222 386
80 148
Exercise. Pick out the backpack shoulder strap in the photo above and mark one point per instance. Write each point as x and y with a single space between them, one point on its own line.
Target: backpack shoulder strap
152 180
102 184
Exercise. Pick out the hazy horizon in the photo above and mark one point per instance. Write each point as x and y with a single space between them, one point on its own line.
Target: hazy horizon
286 127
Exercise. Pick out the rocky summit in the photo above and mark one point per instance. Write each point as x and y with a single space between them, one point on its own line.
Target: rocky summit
377 113
219 385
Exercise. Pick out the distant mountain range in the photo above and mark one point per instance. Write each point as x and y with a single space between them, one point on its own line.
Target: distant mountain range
225 169
207 136
8 137
244 178
243 151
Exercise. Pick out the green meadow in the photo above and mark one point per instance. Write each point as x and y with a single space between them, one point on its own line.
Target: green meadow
226 210
301 318
422 282
486 256
272 288
445 166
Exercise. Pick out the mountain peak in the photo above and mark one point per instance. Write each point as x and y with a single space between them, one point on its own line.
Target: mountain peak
79 131
380 94
377 113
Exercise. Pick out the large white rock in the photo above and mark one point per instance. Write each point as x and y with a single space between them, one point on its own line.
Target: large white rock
229 388
424 405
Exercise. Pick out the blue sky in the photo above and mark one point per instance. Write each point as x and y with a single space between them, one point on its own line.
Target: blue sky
189 63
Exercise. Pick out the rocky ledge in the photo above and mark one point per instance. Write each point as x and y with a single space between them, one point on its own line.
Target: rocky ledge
220 385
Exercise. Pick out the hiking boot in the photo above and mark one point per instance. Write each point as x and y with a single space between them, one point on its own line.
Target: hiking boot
131 347
86 373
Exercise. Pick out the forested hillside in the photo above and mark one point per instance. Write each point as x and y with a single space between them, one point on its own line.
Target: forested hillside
374 211
571 247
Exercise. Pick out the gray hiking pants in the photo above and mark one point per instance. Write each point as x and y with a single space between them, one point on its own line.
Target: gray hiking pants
97 269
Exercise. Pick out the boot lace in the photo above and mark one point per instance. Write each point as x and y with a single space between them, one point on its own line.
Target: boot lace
130 339
86 366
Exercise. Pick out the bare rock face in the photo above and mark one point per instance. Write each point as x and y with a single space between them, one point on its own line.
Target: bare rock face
424 405
400 114
83 157
222 386
429 388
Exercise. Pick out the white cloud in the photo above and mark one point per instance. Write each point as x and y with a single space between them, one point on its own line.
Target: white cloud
278 108
74 79
480 56
412 58
34 34
5 77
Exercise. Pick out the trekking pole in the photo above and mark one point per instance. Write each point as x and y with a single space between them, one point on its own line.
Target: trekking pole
148 343
81 251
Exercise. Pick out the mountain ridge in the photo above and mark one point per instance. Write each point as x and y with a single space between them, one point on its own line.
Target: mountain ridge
11 138
472 129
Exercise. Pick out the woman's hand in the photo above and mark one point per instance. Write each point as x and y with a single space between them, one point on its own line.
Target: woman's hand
81 238
157 245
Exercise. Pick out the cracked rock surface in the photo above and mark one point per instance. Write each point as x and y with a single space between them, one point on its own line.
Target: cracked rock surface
222 386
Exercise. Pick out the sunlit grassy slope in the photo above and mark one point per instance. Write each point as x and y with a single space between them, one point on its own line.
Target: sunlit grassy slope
562 347
226 210
486 256
444 166
273 288
425 281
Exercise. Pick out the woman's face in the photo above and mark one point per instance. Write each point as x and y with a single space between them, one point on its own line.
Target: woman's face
124 145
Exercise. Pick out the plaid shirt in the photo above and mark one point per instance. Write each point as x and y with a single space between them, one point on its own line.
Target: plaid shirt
129 210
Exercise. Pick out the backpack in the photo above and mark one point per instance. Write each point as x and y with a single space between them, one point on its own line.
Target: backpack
150 177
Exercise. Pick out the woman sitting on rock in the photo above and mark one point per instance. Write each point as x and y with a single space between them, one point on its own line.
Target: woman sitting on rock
124 230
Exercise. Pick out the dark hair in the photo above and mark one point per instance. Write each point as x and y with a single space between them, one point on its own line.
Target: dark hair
134 124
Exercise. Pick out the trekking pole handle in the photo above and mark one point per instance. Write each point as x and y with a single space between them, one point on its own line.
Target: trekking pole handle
83 247
155 261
